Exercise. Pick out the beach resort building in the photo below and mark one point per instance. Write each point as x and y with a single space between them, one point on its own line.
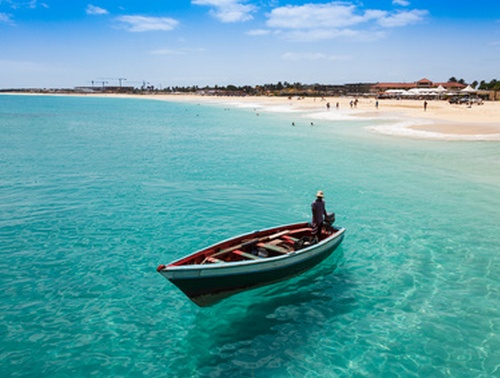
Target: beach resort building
422 84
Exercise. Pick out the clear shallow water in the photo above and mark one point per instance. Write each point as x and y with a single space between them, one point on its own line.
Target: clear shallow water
95 193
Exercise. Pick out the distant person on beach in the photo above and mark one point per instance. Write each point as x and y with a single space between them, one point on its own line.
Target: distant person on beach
328 105
318 215
376 104
425 106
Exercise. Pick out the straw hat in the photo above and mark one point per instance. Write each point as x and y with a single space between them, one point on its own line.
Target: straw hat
319 194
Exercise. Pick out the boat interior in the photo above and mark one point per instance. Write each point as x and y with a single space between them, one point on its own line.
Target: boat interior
278 243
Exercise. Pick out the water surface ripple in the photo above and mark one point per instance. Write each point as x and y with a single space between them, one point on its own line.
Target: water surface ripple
96 192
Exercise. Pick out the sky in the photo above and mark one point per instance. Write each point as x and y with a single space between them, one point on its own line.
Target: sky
165 43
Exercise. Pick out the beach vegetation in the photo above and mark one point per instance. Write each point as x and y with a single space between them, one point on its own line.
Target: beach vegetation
281 88
493 85
453 79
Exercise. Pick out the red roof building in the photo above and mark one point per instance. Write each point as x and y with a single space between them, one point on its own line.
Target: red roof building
422 83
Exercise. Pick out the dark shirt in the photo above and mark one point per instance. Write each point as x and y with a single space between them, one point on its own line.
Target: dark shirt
318 211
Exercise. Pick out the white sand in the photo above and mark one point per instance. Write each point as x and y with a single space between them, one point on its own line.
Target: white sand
405 118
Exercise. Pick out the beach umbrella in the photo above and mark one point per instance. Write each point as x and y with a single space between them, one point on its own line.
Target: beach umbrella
468 89
440 90
413 92
396 92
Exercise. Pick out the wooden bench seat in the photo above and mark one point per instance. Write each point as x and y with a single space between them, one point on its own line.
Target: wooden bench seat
274 242
236 247
300 231
273 248
246 255
290 238
279 234
212 260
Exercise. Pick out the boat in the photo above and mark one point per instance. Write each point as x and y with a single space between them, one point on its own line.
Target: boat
251 260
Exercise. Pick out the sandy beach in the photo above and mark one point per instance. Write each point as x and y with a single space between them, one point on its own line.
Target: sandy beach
402 118
405 118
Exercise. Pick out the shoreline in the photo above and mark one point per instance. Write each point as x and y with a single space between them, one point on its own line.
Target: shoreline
404 118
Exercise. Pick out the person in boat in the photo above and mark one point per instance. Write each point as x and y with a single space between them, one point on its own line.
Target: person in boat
318 215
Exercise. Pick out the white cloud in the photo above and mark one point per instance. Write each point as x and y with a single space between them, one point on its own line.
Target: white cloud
6 19
314 16
92 9
313 22
257 32
26 4
143 23
403 18
403 3
326 34
228 10
319 34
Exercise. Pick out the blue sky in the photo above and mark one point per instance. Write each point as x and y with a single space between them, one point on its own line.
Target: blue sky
67 43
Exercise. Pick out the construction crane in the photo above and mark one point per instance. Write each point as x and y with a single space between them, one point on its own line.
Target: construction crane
120 79
101 82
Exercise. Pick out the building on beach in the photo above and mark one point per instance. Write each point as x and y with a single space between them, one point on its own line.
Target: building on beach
421 84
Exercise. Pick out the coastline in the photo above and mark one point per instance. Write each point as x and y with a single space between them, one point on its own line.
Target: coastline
405 118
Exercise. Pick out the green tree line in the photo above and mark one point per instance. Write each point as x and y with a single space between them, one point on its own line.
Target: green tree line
493 85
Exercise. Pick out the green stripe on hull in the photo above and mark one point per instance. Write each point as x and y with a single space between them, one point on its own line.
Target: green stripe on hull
208 290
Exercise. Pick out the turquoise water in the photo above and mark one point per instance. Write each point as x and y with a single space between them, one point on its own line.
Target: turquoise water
96 192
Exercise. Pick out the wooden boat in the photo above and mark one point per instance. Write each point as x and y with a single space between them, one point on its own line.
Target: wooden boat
250 260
